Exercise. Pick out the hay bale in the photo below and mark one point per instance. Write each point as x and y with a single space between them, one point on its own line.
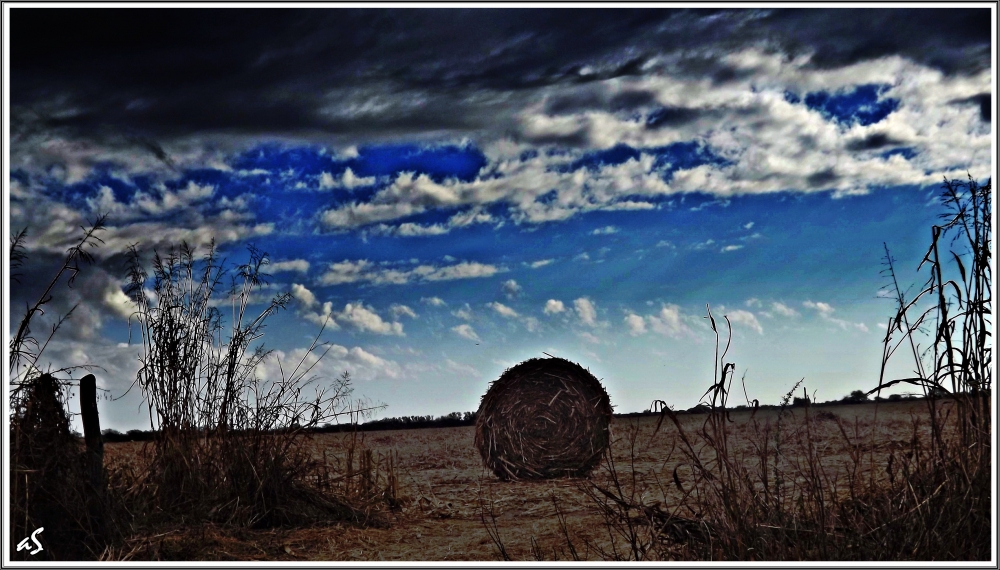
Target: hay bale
544 418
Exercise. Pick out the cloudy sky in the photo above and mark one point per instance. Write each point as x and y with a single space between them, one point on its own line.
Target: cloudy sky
457 190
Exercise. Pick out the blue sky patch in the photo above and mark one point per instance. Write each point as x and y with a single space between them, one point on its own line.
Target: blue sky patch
225 183
548 198
618 154
440 163
683 156
306 164
77 194
276 158
669 159
21 176
861 105
905 152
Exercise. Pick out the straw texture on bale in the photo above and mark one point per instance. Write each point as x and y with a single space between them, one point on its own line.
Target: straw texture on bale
544 418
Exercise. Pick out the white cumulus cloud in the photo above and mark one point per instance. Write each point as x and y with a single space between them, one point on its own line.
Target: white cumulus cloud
297 265
365 319
463 270
586 311
824 309
465 331
348 180
636 324
398 310
303 295
510 288
745 318
306 301
668 321
503 310
605 231
783 309
362 270
553 306
360 363
464 312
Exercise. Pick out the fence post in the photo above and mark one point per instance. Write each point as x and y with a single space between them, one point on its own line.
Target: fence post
95 448
92 429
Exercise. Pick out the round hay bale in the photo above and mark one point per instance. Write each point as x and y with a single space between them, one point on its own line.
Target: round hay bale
544 418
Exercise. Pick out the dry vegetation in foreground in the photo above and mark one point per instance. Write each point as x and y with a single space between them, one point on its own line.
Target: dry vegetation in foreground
444 495
930 501
234 475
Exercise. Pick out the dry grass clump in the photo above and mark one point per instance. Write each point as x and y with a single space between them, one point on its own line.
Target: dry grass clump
49 487
237 481
232 447
764 489
544 418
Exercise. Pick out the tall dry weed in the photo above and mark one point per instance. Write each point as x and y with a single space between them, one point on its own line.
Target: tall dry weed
232 447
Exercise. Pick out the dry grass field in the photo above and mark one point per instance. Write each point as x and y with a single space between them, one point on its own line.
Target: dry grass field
449 505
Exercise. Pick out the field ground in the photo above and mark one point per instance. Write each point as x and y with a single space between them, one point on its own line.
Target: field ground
445 492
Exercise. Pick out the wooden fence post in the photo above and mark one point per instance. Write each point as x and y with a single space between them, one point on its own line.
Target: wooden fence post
95 448
92 429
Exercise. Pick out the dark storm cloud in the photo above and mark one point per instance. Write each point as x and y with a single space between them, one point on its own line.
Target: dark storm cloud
823 178
952 40
872 142
157 150
698 65
672 117
571 103
248 70
588 98
631 100
578 138
168 72
984 102
84 301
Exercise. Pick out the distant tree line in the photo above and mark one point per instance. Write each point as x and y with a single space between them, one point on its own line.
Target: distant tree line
459 419
454 419
855 397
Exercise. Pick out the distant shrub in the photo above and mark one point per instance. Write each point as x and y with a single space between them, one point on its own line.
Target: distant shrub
113 436
855 397
139 435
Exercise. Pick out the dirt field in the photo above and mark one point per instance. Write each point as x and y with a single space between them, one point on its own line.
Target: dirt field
446 495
